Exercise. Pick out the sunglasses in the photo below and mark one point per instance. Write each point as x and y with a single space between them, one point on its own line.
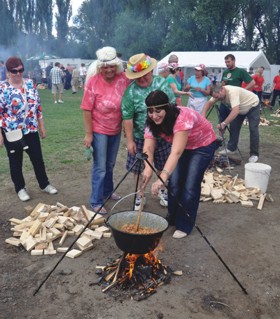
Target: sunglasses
17 71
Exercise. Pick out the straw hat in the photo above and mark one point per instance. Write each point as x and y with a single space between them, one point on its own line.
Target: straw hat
139 65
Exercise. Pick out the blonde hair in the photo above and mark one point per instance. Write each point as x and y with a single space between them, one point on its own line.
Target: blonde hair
105 56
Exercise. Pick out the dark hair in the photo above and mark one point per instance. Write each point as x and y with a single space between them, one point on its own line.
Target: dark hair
13 62
230 56
57 64
160 98
172 71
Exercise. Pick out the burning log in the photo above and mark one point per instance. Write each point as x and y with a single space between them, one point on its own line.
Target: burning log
140 275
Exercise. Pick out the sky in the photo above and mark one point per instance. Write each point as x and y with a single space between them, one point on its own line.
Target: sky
76 5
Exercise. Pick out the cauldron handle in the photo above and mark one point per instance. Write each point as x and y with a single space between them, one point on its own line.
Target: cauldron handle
123 199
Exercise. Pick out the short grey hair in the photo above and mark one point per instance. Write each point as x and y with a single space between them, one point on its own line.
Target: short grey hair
216 88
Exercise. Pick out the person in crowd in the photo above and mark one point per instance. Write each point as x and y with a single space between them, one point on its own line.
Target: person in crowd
48 71
275 89
200 86
57 76
163 70
193 143
67 76
83 74
101 107
174 84
140 69
242 103
20 108
173 58
2 71
233 76
259 81
75 80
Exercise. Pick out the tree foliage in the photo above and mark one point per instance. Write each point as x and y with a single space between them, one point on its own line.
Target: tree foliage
132 26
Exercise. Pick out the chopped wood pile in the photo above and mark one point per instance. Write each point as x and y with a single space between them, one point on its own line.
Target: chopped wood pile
220 188
276 113
45 224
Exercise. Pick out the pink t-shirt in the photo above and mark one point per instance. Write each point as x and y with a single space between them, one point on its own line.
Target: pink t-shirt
103 100
200 130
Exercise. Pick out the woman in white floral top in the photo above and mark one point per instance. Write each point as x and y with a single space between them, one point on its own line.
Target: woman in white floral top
20 108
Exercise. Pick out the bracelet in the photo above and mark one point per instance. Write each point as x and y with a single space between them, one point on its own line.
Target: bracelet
166 172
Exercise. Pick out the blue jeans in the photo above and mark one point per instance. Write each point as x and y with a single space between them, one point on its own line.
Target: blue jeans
253 117
185 186
105 150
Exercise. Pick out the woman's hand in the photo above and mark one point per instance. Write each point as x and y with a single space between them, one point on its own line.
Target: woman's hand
190 94
146 176
88 139
42 129
131 147
156 186
1 139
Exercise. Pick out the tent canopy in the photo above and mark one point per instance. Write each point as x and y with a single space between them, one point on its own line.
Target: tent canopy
216 59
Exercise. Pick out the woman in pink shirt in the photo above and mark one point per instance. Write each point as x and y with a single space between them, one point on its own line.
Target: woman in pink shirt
193 145
102 119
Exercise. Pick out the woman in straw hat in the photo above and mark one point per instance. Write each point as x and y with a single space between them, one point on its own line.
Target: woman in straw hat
193 143
140 69
102 118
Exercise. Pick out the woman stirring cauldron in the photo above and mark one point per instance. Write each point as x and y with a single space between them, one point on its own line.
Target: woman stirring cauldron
193 145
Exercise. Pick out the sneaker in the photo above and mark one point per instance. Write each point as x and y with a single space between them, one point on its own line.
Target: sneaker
60 101
178 234
115 196
138 202
50 189
253 159
226 152
55 102
23 196
163 196
101 211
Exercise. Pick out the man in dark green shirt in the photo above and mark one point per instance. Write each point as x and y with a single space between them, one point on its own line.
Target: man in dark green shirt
235 76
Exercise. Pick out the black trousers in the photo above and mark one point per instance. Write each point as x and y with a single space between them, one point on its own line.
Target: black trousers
35 154
274 96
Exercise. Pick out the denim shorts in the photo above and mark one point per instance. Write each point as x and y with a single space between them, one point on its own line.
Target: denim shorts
161 154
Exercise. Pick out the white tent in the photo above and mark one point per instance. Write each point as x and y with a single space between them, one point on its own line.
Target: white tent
215 61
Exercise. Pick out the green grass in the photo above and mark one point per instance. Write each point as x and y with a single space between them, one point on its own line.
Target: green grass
63 148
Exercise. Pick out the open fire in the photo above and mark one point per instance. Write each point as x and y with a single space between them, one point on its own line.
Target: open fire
138 275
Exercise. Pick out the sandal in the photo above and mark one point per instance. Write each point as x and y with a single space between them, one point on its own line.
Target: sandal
101 211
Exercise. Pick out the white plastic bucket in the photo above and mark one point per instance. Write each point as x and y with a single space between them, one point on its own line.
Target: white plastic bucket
257 175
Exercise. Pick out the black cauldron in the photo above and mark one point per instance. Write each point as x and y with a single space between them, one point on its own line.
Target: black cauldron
137 243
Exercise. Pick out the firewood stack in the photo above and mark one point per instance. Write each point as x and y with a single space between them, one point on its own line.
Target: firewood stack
45 224
276 113
220 188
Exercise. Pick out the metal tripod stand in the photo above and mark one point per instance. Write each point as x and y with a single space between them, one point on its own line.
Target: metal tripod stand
140 158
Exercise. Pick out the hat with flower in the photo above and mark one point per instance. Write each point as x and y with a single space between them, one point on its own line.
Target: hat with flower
139 65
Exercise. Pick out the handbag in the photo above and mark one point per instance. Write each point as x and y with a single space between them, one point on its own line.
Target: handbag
14 135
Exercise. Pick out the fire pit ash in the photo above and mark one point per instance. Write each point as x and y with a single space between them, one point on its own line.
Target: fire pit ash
137 275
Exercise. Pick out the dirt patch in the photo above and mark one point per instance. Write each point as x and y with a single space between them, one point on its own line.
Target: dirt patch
246 239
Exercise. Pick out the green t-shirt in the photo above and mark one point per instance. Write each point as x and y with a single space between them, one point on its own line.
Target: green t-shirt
236 76
133 103
170 80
